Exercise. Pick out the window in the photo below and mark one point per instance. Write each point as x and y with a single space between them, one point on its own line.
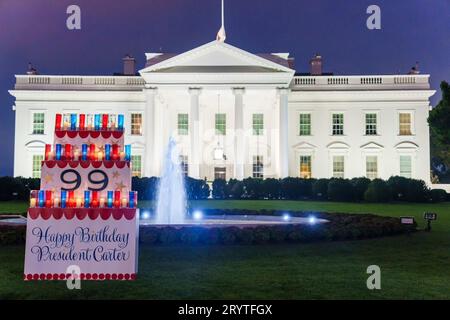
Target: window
220 173
305 167
136 165
338 124
372 167
258 167
338 167
405 124
183 124
405 166
136 124
221 124
184 165
305 124
37 163
371 124
38 123
258 124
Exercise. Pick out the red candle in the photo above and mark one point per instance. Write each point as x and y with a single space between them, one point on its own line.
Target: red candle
94 199
115 152
117 199
92 156
82 121
71 200
68 151
48 198
48 149
58 121
104 121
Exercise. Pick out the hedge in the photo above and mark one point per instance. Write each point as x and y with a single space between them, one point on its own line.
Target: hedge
356 189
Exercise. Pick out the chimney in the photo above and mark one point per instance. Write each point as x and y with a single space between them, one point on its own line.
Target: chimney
415 69
129 65
31 70
316 65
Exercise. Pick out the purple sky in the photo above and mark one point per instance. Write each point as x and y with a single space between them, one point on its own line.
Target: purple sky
34 30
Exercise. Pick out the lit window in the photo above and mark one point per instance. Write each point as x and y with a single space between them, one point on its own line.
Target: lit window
338 124
405 166
37 163
305 167
258 167
136 124
372 167
38 123
220 173
136 165
405 124
338 167
221 124
183 124
371 124
184 165
305 124
258 124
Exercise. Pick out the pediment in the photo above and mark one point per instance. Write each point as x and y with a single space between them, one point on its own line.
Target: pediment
338 145
304 146
372 146
406 145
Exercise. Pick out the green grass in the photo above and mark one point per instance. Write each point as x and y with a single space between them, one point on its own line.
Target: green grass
412 267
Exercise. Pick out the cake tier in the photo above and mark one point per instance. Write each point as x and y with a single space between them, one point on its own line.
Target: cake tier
82 213
99 138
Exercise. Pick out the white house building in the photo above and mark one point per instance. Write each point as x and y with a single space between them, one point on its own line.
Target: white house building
236 114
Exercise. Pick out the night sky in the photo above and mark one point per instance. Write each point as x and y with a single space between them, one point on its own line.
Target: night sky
35 31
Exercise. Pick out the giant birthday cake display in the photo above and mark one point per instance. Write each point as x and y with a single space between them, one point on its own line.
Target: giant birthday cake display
83 222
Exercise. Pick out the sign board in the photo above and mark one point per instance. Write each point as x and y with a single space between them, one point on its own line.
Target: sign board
430 216
407 220
102 243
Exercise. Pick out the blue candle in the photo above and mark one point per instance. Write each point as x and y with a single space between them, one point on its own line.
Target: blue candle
131 199
87 198
84 152
120 122
58 152
107 152
128 152
41 196
73 121
110 199
97 121
63 198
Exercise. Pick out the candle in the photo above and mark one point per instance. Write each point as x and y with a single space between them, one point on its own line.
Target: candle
115 152
102 202
100 156
66 124
68 151
90 121
107 152
48 198
73 121
122 155
105 121
110 199
124 202
92 152
71 200
120 121
41 196
58 121
48 149
56 202
87 198
132 199
78 202
117 198
128 152
97 122
84 152
63 198
112 121
32 202
51 155
94 201
58 151
82 123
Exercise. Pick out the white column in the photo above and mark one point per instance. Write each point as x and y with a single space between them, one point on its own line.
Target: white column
283 144
149 130
239 151
194 131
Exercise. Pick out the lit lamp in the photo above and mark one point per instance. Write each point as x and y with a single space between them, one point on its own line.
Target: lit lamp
218 153
100 156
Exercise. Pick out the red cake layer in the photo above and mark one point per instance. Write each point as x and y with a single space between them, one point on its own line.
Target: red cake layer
85 164
106 134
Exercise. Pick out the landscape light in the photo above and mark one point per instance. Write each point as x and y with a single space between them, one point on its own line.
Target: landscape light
312 220
286 217
145 215
197 215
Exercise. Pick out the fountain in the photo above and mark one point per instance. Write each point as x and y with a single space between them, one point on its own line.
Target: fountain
171 195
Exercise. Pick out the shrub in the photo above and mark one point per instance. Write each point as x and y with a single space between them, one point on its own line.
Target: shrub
438 195
253 188
399 187
320 189
234 189
271 188
417 191
359 187
377 191
340 190
196 189
218 191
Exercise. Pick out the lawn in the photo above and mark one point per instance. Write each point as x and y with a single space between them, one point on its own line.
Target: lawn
413 266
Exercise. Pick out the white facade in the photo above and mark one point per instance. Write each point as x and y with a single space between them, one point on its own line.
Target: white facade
380 122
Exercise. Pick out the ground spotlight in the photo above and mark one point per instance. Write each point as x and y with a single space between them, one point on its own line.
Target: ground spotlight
312 220
197 215
286 217
145 215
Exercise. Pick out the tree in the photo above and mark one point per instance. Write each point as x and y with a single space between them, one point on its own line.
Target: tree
439 121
